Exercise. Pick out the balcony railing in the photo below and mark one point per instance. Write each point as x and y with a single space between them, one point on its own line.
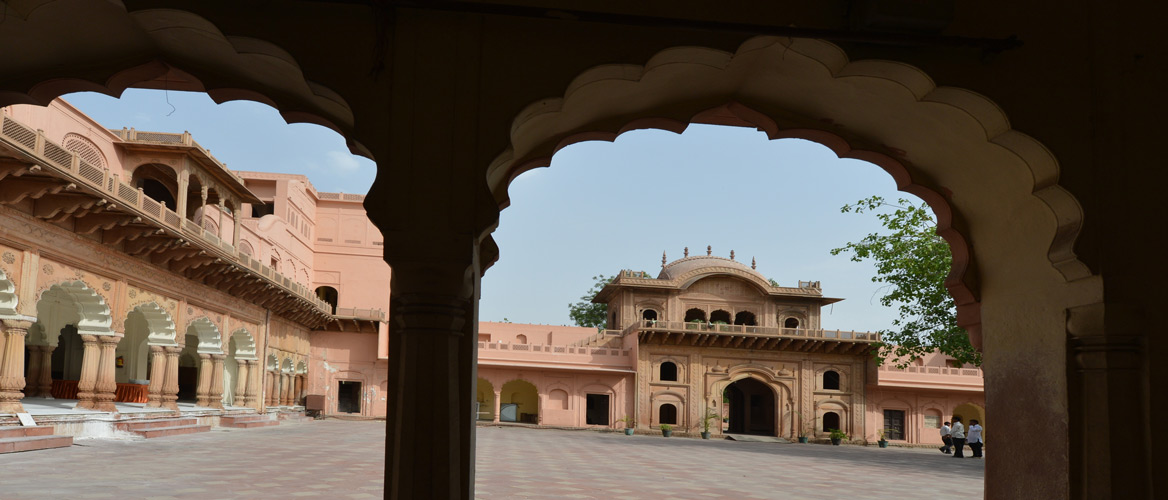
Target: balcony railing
362 314
934 370
71 167
765 331
553 349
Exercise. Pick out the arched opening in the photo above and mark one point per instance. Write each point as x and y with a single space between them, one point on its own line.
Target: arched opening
188 369
519 402
831 380
695 315
720 317
970 411
231 372
66 360
744 318
521 339
791 323
750 408
158 183
558 399
831 420
485 399
65 311
667 414
134 351
649 315
328 294
668 372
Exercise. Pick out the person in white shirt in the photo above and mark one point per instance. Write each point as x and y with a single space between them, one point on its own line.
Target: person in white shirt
958 435
945 438
974 438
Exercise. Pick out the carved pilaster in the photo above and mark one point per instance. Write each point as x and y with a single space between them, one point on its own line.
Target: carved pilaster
106 386
90 359
157 376
239 394
253 377
12 365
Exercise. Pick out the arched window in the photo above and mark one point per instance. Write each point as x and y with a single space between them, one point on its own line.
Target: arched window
831 420
695 314
521 339
328 294
669 371
720 316
667 414
85 149
744 318
158 182
649 315
831 380
791 323
558 399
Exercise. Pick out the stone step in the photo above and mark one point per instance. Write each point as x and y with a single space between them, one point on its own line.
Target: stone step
21 431
32 443
138 425
156 432
237 419
250 424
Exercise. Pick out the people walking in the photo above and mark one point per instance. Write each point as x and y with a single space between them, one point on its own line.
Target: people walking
957 434
945 438
974 438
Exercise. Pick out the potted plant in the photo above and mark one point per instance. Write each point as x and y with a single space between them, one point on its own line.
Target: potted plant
710 415
666 430
808 428
836 436
882 442
628 421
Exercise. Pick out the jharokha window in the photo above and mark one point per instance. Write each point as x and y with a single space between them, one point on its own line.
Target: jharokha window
831 380
669 371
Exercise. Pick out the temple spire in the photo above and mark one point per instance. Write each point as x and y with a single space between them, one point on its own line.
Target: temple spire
686 252
709 250
732 255
753 263
662 259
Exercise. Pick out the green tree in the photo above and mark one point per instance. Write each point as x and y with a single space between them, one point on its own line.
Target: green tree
585 313
912 262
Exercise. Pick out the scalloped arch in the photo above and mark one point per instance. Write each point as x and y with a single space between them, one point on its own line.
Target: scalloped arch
245 344
93 315
161 326
973 169
8 299
226 67
210 340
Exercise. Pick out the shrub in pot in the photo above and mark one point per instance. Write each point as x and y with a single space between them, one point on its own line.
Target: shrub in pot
666 430
836 436
710 415
628 421
882 441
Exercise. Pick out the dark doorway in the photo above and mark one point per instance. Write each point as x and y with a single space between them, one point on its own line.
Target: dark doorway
667 414
188 383
157 191
744 318
894 424
349 397
831 420
328 294
695 315
668 372
597 409
751 408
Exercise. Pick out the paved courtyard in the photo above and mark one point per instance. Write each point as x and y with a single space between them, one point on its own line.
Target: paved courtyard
344 459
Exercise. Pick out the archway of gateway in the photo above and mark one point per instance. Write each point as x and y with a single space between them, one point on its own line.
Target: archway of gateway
1051 274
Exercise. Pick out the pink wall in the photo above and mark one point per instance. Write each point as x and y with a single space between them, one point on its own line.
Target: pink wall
349 356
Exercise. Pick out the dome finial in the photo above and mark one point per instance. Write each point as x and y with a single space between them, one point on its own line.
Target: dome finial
663 259
753 263
732 255
709 250
686 252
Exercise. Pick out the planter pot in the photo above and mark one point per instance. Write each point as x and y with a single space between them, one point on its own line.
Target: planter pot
883 444
628 432
705 435
836 441
803 439
666 433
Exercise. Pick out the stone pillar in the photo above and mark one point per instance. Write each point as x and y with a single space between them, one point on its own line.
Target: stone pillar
498 399
285 389
181 202
235 232
44 381
107 382
170 379
240 392
90 359
269 388
215 394
222 209
34 370
203 390
157 376
297 387
253 384
12 365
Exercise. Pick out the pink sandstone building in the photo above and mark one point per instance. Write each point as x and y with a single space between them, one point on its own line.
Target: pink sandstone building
140 278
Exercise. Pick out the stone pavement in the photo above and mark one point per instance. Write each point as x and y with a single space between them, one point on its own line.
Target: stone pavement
540 463
344 459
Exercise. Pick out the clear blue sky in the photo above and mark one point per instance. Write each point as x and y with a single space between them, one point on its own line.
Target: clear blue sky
600 207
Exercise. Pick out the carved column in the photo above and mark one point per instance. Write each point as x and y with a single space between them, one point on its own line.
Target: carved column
297 387
34 370
253 384
203 389
157 376
90 360
12 365
285 389
240 393
215 394
107 382
44 376
170 379
498 398
222 209
269 389
235 232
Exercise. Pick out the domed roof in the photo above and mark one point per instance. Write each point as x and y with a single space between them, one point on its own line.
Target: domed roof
683 266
